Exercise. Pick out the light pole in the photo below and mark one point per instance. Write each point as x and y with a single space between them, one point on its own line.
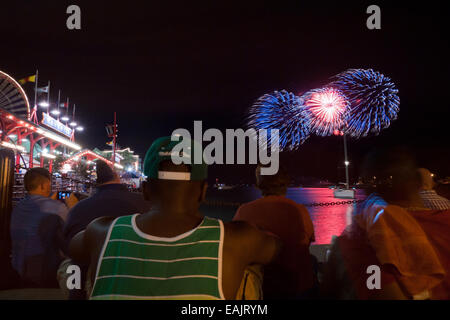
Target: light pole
114 139
346 162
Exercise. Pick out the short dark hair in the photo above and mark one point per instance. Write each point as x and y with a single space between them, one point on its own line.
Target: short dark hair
104 172
395 170
184 192
276 184
34 177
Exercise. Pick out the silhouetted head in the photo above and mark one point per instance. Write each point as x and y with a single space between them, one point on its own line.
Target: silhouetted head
426 179
393 173
180 196
38 181
272 185
105 174
174 188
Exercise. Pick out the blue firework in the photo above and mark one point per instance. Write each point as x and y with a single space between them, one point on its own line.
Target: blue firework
374 101
284 111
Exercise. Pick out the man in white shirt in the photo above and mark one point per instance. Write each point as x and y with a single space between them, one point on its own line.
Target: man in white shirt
429 197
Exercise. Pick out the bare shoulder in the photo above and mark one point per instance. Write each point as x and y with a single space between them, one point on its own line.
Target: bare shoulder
241 230
98 228
251 243
238 232
101 222
238 228
86 243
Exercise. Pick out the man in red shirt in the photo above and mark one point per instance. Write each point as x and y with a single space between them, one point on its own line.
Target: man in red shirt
291 276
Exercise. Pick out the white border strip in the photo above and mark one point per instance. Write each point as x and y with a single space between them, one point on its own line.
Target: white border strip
124 225
169 175
163 244
155 278
156 260
155 238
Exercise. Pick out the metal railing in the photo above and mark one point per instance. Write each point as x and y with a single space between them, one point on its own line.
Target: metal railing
216 203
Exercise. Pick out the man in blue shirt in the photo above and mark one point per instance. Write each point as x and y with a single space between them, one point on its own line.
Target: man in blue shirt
111 199
36 232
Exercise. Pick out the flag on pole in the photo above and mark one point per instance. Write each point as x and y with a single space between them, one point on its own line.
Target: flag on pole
42 89
110 130
28 79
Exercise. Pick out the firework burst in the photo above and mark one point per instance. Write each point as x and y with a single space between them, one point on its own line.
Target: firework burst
327 108
284 111
373 100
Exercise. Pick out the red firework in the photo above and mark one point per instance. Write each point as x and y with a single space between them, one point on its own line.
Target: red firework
328 108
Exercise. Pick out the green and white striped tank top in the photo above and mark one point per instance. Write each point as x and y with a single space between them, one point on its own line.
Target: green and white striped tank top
136 265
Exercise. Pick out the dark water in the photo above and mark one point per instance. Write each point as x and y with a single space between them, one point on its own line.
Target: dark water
328 220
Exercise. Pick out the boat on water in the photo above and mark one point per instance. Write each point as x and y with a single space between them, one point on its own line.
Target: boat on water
345 192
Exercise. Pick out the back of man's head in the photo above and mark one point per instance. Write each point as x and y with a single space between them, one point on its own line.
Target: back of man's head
275 185
174 187
394 173
105 174
175 193
35 178
426 179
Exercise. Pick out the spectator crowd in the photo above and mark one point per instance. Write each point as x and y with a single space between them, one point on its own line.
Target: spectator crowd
158 245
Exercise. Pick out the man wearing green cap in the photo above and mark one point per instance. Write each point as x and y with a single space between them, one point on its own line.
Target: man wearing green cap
172 251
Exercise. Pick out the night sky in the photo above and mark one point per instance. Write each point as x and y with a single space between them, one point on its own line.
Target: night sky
160 67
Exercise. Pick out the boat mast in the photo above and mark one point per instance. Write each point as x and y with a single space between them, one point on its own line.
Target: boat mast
346 163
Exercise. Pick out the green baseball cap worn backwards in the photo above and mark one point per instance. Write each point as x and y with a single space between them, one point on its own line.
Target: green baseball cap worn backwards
161 149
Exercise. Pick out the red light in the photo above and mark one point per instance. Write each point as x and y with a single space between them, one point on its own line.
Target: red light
327 105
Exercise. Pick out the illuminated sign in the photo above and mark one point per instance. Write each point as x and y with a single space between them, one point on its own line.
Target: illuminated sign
56 125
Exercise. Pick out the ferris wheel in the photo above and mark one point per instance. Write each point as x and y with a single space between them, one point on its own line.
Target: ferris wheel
13 97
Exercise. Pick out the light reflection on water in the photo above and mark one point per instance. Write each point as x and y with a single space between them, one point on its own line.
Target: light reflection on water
327 220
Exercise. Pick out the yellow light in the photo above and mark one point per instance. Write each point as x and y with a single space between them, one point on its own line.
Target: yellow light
118 166
48 155
65 142
12 146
